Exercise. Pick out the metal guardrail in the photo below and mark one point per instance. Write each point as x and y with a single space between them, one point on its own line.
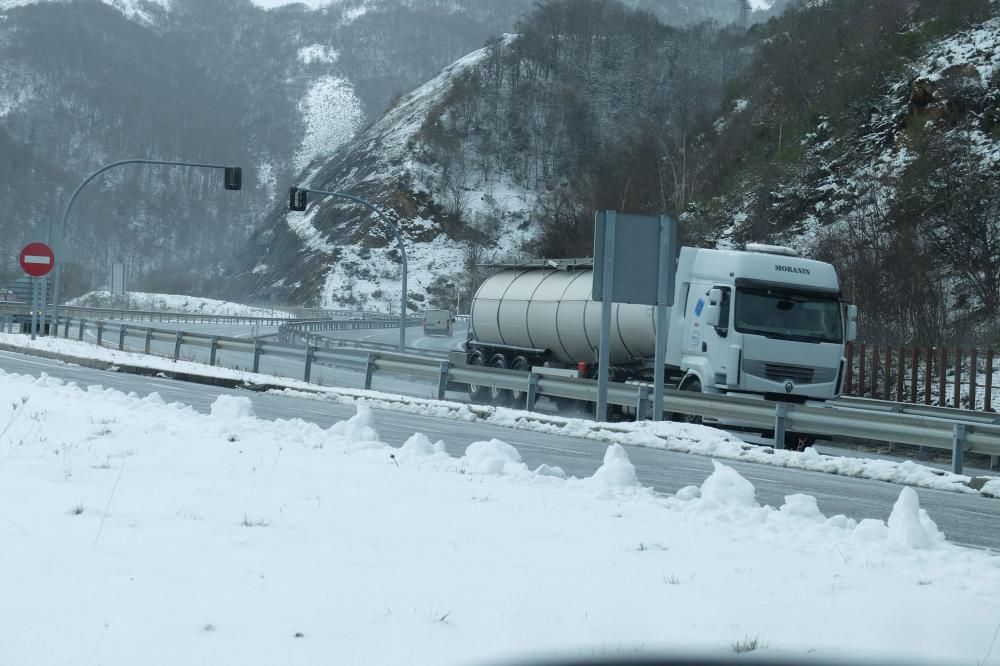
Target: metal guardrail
951 413
832 420
301 330
24 309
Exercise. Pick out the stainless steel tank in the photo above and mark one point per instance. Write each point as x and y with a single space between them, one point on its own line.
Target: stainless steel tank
544 308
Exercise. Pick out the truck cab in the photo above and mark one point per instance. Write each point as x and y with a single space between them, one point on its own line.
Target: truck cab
763 322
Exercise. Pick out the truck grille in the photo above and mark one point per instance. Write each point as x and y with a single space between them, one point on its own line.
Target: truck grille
779 372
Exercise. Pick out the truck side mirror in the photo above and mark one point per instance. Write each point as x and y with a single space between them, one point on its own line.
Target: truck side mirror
852 323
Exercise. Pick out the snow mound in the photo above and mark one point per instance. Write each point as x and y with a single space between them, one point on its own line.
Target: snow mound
617 472
419 446
803 507
492 458
910 526
359 430
991 488
870 530
232 407
726 487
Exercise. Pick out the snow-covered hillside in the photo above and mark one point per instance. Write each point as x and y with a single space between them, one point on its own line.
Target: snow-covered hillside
138 10
360 266
851 174
136 300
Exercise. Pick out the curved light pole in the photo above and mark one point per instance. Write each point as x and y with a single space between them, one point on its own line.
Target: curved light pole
233 181
297 202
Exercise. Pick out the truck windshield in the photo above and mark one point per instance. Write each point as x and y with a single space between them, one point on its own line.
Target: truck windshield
788 315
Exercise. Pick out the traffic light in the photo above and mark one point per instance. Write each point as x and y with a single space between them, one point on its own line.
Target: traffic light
234 178
297 199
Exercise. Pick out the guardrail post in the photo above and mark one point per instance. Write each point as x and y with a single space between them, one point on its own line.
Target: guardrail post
640 403
121 337
149 339
443 378
213 350
369 371
310 350
66 329
994 462
100 332
780 412
178 337
958 448
80 333
258 348
531 397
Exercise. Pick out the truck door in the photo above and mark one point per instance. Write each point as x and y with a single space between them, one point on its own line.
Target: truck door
704 340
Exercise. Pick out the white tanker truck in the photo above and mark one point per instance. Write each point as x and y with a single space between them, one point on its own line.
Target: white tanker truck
763 322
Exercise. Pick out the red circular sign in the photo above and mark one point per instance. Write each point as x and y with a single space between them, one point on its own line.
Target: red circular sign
37 259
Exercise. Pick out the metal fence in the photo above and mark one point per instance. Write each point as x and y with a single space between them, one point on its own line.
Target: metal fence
960 432
961 379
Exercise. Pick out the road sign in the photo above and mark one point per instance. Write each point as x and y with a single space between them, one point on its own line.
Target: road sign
37 259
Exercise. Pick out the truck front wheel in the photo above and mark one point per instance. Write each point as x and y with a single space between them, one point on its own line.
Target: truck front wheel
693 385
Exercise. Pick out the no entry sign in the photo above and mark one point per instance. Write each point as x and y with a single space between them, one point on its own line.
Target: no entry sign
37 259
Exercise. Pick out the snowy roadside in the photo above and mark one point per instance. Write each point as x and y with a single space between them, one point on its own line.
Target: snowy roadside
700 440
145 532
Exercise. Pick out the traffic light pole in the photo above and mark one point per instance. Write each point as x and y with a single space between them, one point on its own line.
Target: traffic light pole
399 242
233 181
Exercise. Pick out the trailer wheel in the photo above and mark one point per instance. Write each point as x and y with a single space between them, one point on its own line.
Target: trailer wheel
517 396
498 396
693 385
477 393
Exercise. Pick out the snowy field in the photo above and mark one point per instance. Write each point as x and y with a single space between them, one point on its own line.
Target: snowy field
136 531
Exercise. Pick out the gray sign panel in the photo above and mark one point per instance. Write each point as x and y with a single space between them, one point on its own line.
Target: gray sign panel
636 261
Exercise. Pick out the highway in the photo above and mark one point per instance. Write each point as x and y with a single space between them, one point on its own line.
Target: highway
965 519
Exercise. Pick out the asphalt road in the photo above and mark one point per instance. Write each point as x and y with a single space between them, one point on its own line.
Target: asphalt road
965 519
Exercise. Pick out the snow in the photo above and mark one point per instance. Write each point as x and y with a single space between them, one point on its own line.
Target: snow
497 205
143 301
332 114
145 532
137 10
318 53
695 439
910 526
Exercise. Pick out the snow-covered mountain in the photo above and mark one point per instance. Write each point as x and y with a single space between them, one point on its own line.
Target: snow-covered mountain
889 177
479 162
335 253
86 82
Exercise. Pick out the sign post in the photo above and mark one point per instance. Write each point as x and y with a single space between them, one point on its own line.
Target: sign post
36 259
634 262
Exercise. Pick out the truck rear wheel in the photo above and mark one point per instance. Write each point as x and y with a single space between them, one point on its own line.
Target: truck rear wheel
478 393
517 396
498 396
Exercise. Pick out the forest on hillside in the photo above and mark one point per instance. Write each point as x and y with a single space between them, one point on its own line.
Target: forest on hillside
784 133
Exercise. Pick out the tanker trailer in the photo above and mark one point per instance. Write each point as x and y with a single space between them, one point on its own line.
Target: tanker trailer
760 322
